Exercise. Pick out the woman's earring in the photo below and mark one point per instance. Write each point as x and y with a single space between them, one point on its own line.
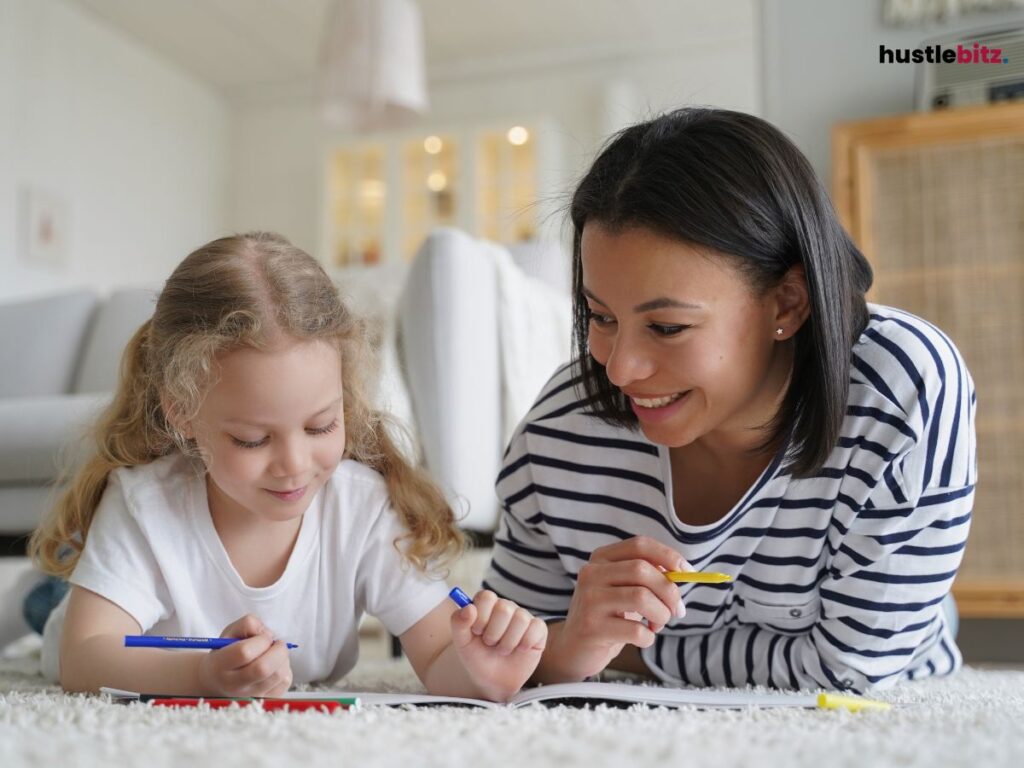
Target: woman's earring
778 331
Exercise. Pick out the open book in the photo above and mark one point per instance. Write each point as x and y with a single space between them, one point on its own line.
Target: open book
589 694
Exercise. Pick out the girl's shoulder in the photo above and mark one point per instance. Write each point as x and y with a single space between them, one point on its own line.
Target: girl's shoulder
166 472
354 479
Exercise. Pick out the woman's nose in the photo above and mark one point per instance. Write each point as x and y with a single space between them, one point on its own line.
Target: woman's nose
627 363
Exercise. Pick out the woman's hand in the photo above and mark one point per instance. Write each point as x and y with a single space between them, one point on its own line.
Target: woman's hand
620 585
498 643
257 665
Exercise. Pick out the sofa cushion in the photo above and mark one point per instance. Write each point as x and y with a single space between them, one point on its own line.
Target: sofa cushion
115 323
43 435
40 341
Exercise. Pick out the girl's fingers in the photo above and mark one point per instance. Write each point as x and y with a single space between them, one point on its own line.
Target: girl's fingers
247 626
536 636
513 636
501 617
267 672
244 652
484 600
462 622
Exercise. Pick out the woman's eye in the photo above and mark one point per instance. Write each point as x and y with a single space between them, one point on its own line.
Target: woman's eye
598 319
667 330
248 443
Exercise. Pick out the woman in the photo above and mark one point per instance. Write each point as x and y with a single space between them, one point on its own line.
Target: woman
735 405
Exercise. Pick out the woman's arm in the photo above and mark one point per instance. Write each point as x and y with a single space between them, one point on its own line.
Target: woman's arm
92 655
485 650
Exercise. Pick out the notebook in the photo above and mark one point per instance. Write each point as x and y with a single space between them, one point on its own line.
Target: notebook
591 694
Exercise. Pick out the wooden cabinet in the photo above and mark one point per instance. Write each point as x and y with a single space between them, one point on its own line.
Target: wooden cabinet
936 202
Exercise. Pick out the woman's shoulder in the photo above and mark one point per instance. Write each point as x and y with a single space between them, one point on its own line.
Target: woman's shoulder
907 361
561 399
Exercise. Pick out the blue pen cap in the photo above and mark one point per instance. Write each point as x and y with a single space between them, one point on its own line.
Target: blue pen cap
459 597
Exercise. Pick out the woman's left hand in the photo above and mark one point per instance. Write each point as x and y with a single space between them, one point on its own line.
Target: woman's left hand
499 643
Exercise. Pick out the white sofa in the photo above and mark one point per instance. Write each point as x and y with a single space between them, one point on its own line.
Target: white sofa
467 340
60 358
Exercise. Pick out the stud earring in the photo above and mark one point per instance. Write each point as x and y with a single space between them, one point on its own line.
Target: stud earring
778 331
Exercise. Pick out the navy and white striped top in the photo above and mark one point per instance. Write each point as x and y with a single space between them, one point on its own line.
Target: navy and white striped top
837 578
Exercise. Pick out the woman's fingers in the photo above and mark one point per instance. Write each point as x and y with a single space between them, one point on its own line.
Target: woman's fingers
641 581
642 548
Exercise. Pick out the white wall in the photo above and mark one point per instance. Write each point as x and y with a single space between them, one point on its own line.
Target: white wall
821 66
136 148
279 144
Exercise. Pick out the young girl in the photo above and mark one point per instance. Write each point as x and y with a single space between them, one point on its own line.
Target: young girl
734 405
244 486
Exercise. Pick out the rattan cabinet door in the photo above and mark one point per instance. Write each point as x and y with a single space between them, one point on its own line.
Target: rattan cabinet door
936 202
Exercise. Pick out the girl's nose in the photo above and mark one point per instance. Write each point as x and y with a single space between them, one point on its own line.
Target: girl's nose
291 459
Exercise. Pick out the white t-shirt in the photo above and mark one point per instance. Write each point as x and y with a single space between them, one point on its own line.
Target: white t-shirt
152 549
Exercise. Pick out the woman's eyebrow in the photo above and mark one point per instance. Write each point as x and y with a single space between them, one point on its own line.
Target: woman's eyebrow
649 306
666 303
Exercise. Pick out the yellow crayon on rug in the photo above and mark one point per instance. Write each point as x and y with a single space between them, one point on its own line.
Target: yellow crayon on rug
852 703
698 577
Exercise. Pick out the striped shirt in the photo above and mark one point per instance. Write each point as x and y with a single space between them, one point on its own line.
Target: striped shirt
838 578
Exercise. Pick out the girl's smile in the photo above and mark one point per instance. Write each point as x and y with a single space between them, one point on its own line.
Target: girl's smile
292 495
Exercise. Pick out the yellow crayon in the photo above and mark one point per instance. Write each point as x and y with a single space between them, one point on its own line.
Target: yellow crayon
700 577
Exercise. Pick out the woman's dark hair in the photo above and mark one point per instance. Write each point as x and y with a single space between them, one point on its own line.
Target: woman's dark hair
735 184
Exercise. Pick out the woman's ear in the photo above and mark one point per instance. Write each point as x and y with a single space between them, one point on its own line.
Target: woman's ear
173 416
792 302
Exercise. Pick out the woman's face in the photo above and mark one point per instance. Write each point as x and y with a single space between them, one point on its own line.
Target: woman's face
686 338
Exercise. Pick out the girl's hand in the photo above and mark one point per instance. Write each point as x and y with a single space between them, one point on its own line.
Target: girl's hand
621 584
258 665
499 643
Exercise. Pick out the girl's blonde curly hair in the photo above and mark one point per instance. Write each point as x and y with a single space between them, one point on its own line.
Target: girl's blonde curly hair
240 291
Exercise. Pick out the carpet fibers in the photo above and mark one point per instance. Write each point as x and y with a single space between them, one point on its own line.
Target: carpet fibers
973 719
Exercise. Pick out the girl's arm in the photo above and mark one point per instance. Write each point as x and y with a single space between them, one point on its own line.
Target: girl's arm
486 650
92 654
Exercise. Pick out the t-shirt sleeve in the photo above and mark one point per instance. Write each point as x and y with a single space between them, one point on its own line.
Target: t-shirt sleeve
117 561
394 590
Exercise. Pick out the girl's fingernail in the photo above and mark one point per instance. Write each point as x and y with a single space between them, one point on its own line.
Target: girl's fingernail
685 566
681 609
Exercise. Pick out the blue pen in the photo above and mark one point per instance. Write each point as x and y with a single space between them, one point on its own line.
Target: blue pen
198 643
459 597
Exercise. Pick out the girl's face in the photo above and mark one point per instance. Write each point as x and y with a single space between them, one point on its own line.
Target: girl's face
272 429
680 331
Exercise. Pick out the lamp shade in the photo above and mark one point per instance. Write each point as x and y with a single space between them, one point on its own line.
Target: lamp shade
372 64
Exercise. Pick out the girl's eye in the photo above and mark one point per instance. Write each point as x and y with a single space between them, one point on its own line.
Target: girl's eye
667 330
263 441
598 319
324 429
248 443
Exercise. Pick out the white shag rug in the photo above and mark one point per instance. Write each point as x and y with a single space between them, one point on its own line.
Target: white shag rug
974 719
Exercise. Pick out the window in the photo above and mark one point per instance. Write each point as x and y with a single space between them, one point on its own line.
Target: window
384 196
